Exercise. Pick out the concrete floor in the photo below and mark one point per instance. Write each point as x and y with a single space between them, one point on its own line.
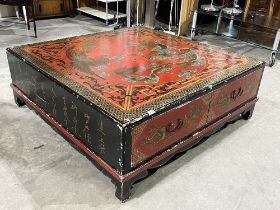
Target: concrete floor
238 168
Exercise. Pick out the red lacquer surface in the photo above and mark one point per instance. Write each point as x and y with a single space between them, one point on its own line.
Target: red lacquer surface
132 67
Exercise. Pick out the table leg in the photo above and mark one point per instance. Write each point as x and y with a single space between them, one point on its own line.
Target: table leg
194 25
117 11
219 22
71 8
123 190
128 8
24 14
27 17
150 14
63 7
157 4
246 10
107 21
19 102
34 21
274 49
276 41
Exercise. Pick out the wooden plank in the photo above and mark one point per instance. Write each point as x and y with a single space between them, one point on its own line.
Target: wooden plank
272 6
186 15
246 10
87 3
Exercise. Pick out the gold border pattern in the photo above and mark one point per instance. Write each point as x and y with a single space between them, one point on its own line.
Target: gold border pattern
138 112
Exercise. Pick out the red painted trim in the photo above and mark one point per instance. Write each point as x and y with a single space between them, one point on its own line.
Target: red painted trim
102 163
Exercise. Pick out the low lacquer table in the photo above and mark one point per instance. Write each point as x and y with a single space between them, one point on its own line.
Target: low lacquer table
131 99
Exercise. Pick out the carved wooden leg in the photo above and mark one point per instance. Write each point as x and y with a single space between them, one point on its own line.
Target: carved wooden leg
123 190
19 102
248 114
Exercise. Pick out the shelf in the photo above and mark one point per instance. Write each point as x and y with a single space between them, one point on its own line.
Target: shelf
240 27
101 12
264 21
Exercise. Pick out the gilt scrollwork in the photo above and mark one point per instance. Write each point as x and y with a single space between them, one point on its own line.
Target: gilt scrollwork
157 134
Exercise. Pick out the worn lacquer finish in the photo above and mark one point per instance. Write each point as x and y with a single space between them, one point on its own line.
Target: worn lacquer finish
234 94
158 133
130 99
132 71
93 128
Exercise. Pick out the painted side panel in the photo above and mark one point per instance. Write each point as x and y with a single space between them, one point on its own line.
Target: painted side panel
234 94
160 132
157 134
93 128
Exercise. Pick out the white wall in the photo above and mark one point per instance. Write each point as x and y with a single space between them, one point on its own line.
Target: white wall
7 11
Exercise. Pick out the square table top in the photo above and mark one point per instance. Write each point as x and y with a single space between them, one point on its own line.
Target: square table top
129 72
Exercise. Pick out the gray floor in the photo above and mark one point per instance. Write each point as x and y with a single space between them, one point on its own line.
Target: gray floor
238 168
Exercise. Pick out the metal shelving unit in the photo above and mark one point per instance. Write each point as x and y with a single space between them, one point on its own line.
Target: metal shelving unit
105 13
272 25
